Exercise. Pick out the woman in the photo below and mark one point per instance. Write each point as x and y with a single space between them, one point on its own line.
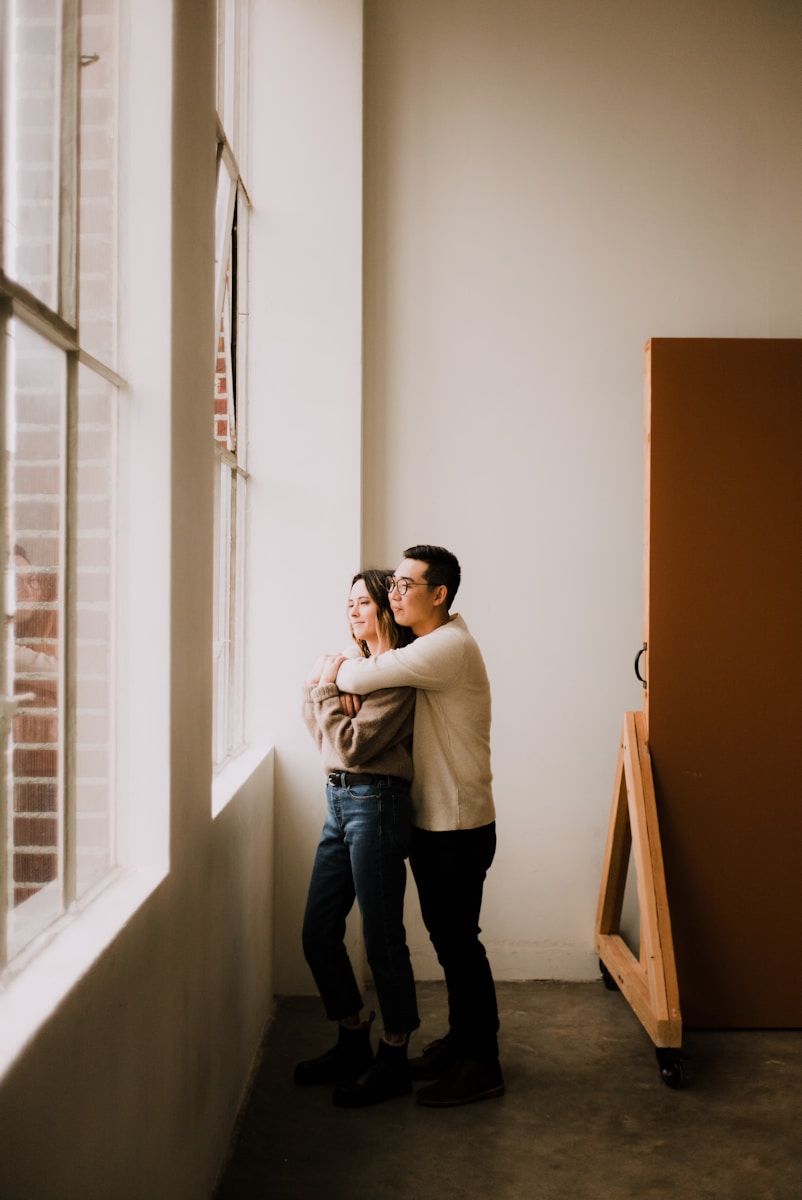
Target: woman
35 638
367 759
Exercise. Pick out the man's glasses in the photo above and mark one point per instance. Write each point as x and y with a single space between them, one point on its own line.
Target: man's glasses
402 585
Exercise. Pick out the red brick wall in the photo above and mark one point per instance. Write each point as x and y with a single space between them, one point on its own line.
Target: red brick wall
221 395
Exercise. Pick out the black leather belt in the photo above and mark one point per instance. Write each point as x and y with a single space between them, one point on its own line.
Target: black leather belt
345 779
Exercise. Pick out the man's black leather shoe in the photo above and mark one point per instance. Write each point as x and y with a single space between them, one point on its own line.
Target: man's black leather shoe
469 1080
437 1058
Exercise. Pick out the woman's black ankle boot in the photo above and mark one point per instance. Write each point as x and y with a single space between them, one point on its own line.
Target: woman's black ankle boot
388 1076
349 1058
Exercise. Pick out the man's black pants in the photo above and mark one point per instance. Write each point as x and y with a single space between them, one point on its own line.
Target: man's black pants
449 870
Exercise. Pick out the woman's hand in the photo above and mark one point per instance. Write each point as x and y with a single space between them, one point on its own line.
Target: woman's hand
330 667
325 671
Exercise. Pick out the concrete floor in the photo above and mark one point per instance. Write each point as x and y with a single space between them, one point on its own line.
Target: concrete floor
586 1115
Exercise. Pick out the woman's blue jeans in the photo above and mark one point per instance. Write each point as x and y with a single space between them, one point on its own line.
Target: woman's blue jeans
361 854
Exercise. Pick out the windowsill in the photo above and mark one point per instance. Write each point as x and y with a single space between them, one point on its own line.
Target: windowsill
28 921
235 774
41 976
38 979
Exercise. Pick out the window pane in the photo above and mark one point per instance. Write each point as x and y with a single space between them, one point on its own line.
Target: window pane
223 229
31 116
98 257
34 775
94 691
222 608
229 398
230 33
236 728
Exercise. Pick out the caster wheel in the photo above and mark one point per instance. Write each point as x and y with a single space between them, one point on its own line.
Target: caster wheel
672 1071
607 978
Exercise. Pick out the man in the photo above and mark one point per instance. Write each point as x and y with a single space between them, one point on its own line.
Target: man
453 815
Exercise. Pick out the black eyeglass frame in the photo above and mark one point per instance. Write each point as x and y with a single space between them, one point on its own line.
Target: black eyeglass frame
403 584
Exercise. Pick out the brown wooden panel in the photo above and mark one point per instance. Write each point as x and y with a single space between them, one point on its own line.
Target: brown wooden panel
724 664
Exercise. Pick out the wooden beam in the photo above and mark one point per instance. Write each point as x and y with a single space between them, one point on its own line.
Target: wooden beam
648 983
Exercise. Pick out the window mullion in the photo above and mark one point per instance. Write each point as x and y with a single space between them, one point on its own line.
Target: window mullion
233 624
5 96
225 456
37 315
68 194
88 360
227 156
5 686
241 315
68 609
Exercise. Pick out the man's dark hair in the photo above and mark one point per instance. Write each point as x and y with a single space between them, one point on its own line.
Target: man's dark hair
442 568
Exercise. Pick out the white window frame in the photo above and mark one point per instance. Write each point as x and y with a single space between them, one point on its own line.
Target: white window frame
231 312
59 327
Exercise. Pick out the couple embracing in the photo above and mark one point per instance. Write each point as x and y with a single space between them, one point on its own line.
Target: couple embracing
404 733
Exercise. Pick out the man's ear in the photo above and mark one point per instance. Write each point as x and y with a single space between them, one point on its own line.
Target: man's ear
440 594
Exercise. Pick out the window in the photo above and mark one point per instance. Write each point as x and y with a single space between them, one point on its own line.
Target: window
59 392
230 411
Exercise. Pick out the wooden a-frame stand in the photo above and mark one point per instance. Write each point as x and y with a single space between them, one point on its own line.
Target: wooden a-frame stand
649 982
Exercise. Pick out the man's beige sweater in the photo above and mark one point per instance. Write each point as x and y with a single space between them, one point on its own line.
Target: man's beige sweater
451 784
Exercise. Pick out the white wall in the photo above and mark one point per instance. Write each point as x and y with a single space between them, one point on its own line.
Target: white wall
304 444
547 186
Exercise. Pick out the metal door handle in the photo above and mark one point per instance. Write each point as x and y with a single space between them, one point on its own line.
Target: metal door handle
638 656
